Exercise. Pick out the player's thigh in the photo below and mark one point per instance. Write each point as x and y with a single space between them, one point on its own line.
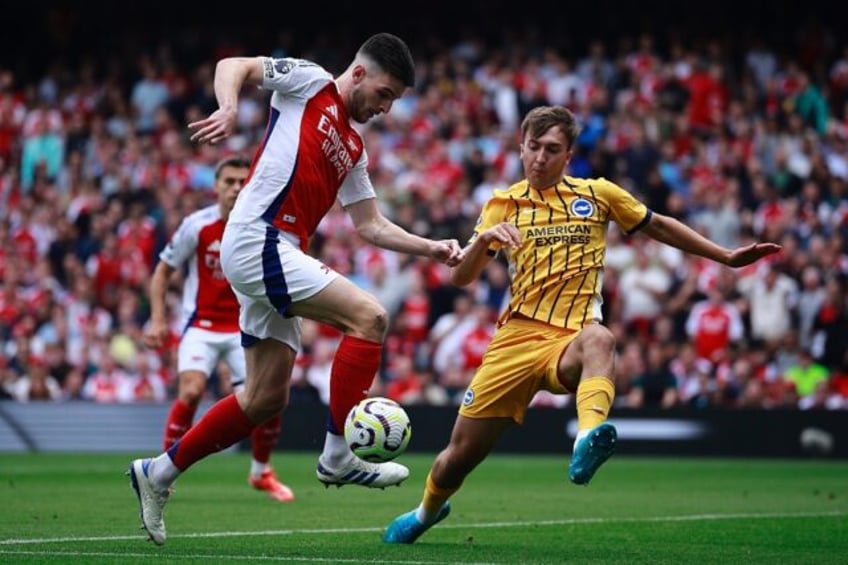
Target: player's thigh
341 304
592 349
263 265
515 367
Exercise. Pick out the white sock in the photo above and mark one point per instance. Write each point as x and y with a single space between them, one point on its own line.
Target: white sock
162 471
257 468
422 516
336 452
580 435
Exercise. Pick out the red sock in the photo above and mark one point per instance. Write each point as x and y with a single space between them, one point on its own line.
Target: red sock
224 424
264 439
354 366
178 423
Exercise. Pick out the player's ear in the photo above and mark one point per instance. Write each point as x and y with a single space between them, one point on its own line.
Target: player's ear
359 73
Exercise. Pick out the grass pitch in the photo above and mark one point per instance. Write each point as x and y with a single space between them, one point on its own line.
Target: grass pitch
514 509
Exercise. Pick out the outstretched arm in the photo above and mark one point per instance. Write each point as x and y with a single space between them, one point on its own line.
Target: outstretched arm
230 75
377 230
672 232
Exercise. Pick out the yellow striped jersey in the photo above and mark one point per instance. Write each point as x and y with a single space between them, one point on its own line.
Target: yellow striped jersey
557 273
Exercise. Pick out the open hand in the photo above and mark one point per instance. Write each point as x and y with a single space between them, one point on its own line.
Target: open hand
742 256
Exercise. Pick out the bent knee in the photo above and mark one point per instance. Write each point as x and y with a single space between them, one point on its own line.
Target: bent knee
598 338
372 322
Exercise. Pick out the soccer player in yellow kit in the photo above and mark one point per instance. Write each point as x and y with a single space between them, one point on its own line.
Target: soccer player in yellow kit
552 229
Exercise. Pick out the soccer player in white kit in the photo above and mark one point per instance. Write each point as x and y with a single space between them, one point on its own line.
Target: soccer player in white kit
310 157
210 314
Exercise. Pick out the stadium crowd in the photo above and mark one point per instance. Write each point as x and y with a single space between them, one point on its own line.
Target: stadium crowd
96 172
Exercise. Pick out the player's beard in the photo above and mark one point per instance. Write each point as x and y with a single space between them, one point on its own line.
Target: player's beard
359 109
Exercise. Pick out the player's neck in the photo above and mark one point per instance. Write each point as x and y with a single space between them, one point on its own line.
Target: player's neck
544 188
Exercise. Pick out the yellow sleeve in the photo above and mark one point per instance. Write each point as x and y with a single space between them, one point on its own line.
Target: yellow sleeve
625 209
494 212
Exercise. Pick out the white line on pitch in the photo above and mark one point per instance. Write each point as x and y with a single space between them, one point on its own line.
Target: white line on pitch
228 558
333 531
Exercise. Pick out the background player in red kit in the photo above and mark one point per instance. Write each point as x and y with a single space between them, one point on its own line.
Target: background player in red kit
310 157
210 313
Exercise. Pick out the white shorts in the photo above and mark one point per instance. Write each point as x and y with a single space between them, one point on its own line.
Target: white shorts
202 350
268 272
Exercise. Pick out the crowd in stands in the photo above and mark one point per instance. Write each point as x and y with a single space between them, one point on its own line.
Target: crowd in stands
96 172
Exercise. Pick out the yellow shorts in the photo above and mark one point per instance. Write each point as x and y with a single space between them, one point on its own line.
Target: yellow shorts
521 360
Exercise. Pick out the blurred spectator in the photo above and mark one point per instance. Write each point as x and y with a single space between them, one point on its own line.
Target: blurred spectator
821 398
36 384
629 364
772 299
107 384
415 310
809 103
404 385
450 329
810 300
492 289
318 372
720 219
806 375
713 325
762 62
300 390
701 388
144 383
830 338
476 340
656 386
644 284
148 93
388 284
42 155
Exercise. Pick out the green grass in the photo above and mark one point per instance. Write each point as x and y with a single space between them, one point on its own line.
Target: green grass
63 508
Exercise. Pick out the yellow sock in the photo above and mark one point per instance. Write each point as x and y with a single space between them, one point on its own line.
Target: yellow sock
594 399
434 498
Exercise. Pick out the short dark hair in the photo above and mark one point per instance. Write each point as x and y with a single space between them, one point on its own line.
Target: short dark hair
236 161
542 118
392 54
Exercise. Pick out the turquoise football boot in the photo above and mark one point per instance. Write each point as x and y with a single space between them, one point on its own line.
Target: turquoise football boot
406 528
591 452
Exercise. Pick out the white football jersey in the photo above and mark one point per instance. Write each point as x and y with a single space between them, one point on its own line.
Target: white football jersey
208 301
310 155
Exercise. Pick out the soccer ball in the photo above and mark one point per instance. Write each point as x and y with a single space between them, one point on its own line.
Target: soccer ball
377 429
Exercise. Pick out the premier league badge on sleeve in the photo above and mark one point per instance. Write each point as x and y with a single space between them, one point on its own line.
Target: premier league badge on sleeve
283 66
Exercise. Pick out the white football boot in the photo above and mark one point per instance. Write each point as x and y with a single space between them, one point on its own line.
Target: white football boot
151 500
359 472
